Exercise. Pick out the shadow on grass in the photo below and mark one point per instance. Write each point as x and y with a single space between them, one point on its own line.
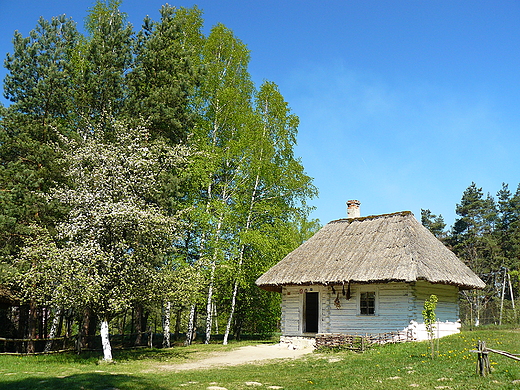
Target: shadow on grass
152 354
93 357
91 381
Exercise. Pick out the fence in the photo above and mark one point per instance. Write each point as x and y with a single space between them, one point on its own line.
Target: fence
360 342
483 365
63 344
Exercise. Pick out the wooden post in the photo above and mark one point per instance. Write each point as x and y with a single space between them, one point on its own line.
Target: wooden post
483 365
502 299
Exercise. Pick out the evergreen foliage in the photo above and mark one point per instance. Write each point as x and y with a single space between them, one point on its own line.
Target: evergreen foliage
433 223
486 237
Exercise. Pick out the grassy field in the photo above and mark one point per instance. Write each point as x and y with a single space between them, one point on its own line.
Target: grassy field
388 367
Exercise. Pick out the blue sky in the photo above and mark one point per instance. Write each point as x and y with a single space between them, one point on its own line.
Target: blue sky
402 104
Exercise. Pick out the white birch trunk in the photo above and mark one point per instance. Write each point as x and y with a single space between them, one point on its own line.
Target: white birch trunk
166 325
215 315
150 338
107 349
511 292
209 306
52 333
191 325
209 317
230 319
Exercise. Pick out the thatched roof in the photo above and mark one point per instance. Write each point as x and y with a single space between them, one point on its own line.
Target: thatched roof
382 248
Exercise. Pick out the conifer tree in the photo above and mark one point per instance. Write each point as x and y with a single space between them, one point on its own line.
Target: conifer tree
473 241
37 84
434 223
101 62
164 76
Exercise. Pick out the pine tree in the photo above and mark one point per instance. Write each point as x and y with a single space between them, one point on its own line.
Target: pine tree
471 235
101 62
473 241
37 83
434 223
164 77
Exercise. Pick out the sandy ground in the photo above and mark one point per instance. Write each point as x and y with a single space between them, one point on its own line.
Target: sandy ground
243 355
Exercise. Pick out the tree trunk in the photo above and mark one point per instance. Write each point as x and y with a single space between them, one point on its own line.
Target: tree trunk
150 337
83 331
123 329
178 318
191 326
33 320
231 313
105 341
166 324
241 259
60 324
209 306
91 331
42 322
209 317
54 327
138 324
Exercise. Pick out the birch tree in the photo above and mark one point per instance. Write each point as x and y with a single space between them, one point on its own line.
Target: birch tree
274 185
224 102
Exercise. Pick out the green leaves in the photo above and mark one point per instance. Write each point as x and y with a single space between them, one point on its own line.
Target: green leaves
429 317
136 164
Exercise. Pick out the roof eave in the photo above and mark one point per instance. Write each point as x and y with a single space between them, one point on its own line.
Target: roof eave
278 287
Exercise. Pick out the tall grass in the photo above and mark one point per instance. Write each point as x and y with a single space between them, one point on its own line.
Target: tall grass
399 366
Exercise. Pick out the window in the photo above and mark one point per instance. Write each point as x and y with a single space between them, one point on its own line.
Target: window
367 303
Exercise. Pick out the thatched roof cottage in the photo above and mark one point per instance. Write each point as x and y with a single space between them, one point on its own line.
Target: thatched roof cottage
369 275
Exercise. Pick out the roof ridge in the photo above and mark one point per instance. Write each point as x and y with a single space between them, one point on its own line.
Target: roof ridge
369 217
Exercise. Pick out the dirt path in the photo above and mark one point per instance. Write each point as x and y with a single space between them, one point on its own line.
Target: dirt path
241 355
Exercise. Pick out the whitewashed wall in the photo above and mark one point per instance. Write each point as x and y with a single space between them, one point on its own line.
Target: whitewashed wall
447 310
398 308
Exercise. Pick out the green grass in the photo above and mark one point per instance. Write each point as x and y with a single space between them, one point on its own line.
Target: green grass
389 367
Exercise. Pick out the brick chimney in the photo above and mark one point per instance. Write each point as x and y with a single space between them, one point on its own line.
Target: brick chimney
353 209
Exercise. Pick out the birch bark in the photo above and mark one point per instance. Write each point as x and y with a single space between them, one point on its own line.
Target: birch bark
166 324
52 333
191 326
105 341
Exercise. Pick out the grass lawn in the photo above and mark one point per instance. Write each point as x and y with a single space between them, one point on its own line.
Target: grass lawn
388 367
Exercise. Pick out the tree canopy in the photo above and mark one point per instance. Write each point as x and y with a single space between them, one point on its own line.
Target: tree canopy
133 162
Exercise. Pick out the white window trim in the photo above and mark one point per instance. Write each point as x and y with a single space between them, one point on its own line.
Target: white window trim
367 288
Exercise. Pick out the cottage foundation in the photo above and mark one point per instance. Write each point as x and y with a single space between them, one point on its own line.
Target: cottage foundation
297 342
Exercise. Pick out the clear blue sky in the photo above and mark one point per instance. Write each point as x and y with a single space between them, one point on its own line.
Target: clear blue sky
402 104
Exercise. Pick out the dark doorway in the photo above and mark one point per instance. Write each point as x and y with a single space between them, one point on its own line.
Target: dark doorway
311 312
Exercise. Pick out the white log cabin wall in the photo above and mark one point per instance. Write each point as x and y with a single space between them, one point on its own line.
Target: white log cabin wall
398 307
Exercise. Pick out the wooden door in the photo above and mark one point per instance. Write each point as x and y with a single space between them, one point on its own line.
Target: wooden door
311 312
